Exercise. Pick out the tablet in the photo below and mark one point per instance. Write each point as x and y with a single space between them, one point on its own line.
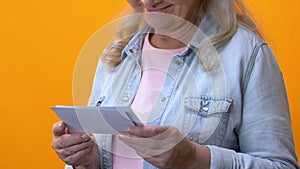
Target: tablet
101 120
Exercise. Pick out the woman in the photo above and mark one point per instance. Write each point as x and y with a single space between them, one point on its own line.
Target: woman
217 102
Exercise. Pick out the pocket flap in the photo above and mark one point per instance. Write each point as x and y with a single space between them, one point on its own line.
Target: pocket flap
207 105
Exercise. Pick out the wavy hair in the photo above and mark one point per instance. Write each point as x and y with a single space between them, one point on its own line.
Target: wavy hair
228 14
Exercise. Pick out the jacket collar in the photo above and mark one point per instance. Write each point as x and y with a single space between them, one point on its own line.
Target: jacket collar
207 28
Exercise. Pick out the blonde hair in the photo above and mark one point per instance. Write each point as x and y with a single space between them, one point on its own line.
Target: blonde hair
228 14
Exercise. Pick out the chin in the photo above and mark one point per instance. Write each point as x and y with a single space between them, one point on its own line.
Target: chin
161 21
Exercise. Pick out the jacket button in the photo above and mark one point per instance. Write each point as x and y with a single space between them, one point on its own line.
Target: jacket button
178 63
163 99
205 109
98 103
125 98
131 51
101 99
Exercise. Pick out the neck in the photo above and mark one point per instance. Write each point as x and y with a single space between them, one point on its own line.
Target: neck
165 42
176 36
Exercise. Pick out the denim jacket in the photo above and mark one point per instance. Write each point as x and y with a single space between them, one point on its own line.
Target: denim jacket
239 110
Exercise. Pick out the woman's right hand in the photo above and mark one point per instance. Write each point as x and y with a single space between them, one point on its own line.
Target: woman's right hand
79 149
137 5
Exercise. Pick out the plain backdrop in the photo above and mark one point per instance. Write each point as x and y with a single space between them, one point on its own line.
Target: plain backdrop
39 45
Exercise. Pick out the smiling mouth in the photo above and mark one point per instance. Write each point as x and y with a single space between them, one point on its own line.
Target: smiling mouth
159 9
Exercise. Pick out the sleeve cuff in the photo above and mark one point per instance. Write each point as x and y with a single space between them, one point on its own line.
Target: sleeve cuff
220 157
69 167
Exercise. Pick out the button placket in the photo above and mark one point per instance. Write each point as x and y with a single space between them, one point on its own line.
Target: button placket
163 99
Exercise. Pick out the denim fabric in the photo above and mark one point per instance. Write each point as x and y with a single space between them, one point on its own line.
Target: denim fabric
239 110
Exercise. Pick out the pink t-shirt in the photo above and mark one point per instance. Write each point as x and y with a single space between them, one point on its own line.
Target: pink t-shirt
154 63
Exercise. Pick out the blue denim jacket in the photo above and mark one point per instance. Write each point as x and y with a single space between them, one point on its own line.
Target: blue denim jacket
239 110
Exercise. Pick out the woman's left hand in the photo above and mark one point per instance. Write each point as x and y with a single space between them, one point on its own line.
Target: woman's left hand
162 146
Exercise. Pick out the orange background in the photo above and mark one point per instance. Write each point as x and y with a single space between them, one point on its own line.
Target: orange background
39 45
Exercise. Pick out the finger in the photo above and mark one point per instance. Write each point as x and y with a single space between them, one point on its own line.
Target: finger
137 5
68 140
149 143
74 149
59 128
127 134
147 131
80 158
144 147
135 140
162 135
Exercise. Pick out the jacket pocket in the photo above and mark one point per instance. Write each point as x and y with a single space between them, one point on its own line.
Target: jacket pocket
206 117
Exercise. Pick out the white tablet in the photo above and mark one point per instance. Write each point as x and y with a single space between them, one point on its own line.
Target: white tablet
104 120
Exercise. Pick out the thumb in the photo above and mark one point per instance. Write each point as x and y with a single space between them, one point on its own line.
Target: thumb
59 128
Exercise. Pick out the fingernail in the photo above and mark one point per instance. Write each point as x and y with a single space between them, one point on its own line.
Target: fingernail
84 136
121 137
131 130
60 124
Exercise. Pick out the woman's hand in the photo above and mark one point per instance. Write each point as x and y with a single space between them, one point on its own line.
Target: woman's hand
137 5
166 147
78 149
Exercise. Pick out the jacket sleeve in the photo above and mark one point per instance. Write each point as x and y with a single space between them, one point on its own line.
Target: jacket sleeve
68 167
265 135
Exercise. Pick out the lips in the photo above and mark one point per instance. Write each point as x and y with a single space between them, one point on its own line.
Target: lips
159 9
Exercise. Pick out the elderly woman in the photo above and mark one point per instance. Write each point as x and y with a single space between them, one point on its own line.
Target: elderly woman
206 86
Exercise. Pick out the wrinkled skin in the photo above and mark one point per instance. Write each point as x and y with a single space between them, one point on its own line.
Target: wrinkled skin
78 149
